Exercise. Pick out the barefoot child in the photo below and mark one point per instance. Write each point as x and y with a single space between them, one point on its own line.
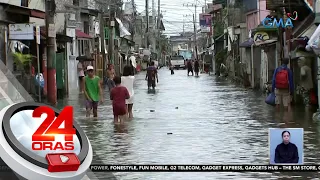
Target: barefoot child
118 95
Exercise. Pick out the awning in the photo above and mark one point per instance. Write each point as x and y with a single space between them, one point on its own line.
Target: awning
59 37
309 31
84 58
123 31
23 10
80 34
270 41
247 43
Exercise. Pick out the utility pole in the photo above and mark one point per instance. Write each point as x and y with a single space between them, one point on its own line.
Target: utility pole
111 38
194 27
158 28
102 36
207 38
153 26
51 52
183 26
147 25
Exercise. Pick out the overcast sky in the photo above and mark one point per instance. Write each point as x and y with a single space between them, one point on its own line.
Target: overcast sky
173 13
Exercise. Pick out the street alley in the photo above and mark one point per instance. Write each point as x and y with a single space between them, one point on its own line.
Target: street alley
189 120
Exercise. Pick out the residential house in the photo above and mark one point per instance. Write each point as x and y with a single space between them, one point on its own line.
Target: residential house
253 52
218 35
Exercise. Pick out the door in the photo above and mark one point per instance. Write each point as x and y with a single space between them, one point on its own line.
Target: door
60 71
264 69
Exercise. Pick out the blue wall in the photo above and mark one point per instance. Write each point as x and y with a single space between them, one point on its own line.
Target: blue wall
296 137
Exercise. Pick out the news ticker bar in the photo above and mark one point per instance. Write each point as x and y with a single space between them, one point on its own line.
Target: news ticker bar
202 168
194 168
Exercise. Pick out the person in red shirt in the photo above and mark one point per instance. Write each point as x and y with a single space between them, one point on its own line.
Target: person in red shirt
118 95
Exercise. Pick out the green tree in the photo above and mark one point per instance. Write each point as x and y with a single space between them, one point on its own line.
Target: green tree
22 61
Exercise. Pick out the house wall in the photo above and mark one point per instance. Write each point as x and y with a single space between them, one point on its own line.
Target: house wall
257 66
263 10
37 4
60 19
252 21
255 17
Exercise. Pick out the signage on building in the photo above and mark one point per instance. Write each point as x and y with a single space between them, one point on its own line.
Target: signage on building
96 27
71 21
260 36
38 34
71 32
205 23
284 23
21 31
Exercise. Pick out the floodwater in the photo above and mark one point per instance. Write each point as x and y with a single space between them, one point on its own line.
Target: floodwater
189 120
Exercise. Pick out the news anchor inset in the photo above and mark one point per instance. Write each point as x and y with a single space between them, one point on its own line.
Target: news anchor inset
63 156
286 146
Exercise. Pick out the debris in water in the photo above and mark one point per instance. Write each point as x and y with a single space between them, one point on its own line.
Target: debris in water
169 133
151 110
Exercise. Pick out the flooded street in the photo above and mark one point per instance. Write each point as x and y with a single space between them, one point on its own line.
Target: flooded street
191 120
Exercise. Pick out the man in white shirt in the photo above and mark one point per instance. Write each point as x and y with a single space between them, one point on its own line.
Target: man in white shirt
80 75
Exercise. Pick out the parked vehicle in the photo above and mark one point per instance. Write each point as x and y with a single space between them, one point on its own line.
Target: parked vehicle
178 62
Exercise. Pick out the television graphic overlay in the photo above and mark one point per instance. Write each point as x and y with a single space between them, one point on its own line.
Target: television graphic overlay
38 141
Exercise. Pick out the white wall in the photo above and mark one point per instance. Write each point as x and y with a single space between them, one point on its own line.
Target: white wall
33 4
12 2
72 62
37 4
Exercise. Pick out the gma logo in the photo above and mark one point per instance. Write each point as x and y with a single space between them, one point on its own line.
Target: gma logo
270 23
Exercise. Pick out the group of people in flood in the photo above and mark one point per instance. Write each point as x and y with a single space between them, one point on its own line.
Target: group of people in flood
192 67
120 89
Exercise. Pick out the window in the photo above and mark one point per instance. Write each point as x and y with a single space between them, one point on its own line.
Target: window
76 2
86 27
83 47
25 3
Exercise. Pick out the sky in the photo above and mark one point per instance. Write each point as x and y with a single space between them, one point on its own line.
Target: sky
174 13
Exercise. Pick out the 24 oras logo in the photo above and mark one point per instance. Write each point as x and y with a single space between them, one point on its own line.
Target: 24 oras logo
44 137
38 141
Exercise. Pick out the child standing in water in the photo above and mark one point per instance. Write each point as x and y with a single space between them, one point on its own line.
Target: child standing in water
118 95
92 91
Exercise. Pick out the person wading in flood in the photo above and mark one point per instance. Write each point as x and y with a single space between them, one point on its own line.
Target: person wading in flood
93 92
118 95
171 68
80 67
282 85
127 81
151 76
189 66
110 75
196 68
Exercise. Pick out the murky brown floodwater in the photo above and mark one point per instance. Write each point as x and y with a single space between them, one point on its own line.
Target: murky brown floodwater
215 122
